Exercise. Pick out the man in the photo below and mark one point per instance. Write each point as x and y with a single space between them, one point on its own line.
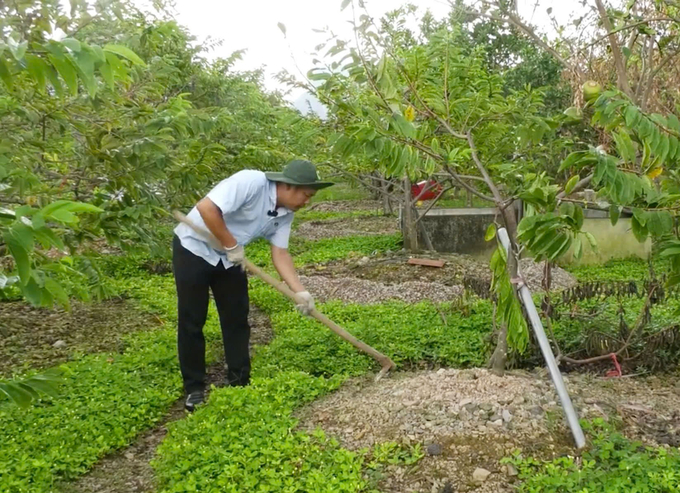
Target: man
248 205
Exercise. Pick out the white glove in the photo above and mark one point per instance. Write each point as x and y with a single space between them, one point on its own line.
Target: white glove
236 255
305 302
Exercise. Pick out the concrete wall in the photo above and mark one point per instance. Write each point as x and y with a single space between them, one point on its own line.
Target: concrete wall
462 231
612 242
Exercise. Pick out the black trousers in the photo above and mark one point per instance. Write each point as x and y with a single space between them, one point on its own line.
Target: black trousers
193 279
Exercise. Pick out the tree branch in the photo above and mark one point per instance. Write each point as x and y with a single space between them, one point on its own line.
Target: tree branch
580 185
616 50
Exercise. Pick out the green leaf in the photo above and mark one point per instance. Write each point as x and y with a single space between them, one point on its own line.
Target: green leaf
107 74
625 146
23 234
578 248
5 73
85 64
37 67
639 230
574 158
659 223
344 4
48 238
632 116
53 77
57 291
18 50
67 72
32 292
614 213
46 384
591 240
21 258
124 52
72 44
402 125
18 395
571 184
490 232
282 27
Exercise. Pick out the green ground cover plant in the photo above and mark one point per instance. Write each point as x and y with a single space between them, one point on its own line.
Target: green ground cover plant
612 464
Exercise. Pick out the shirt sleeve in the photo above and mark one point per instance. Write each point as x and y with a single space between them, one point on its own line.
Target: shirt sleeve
231 193
280 236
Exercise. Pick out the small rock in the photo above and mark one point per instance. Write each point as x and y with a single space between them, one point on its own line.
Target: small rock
480 475
507 417
518 400
465 401
512 470
434 449
536 410
364 261
129 455
486 406
471 407
495 417
498 423
59 344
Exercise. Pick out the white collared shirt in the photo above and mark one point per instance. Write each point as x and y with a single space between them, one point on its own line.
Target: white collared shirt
244 199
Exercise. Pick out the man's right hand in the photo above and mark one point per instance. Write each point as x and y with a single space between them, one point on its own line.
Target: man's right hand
236 255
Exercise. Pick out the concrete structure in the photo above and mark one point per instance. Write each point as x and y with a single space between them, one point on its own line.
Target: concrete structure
462 231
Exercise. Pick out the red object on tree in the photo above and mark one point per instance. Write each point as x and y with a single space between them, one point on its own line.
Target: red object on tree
429 194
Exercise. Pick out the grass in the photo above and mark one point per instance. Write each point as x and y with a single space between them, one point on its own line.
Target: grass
341 191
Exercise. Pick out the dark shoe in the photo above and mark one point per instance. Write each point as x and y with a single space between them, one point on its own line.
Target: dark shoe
194 399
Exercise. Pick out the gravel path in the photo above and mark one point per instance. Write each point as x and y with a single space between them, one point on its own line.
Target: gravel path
353 290
470 419
355 226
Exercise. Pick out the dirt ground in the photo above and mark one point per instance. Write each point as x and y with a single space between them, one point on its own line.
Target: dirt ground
351 226
129 470
40 337
469 419
458 270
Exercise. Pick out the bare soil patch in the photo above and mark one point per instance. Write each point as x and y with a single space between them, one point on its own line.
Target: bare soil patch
129 470
40 337
363 291
346 206
393 268
469 419
351 226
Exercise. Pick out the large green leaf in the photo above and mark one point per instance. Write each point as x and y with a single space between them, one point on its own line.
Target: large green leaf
20 396
67 72
614 213
57 291
124 52
20 254
37 67
85 63
625 146
5 73
107 74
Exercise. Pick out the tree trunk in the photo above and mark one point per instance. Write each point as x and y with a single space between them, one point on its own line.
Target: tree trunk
409 228
469 198
499 358
386 202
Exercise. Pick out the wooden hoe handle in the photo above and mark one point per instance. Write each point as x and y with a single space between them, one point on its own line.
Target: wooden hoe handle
385 362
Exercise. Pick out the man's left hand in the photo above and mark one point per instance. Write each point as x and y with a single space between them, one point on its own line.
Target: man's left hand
305 303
